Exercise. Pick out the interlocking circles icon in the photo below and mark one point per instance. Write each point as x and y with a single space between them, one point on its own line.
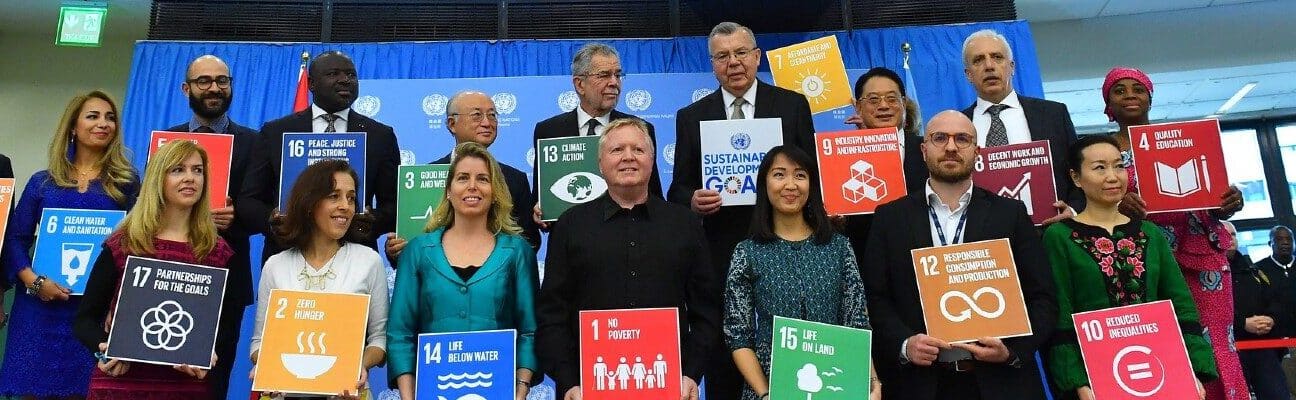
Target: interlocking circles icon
972 305
166 327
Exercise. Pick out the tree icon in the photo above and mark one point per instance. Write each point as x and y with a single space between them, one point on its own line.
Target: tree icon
808 380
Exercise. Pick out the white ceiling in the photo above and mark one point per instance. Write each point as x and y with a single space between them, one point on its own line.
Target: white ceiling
1060 10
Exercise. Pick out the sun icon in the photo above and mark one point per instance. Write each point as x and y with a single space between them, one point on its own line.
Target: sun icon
814 85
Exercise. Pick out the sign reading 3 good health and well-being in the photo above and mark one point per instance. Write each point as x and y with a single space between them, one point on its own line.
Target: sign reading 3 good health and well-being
732 150
971 290
568 173
311 342
167 313
1135 352
418 194
859 170
300 150
6 199
1022 171
819 361
466 365
630 354
1180 165
220 155
814 69
68 241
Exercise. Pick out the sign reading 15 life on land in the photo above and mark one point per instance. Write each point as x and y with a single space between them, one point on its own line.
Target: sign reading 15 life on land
80 25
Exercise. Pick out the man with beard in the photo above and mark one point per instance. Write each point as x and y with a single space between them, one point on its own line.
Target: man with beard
333 86
951 210
1260 312
209 87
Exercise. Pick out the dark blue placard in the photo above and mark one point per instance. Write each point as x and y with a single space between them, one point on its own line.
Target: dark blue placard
303 149
167 313
462 365
68 241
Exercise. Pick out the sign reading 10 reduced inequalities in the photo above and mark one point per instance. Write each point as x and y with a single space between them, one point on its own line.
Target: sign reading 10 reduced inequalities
167 313
467 365
68 241
813 360
568 174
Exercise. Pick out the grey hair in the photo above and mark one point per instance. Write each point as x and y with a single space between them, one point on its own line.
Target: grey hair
986 33
729 28
624 122
585 56
450 104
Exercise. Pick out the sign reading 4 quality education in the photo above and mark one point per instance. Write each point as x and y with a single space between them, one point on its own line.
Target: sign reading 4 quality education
6 199
220 153
1135 352
820 360
630 354
568 174
859 170
1022 171
421 189
311 342
68 241
300 150
466 365
167 313
814 69
732 150
971 290
1180 165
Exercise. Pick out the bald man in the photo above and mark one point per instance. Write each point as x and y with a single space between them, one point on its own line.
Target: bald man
911 364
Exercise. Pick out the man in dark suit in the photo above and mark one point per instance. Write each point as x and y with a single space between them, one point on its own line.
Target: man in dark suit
1003 117
333 85
911 364
209 88
1262 310
734 59
6 171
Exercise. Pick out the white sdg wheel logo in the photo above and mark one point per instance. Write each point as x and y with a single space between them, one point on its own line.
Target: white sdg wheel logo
435 104
700 93
568 100
505 102
638 100
166 327
668 153
530 157
367 105
578 187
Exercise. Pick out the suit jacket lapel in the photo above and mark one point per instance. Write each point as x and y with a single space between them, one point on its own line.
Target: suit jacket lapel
570 121
440 264
718 109
302 122
494 262
355 122
765 107
1034 119
919 218
977 214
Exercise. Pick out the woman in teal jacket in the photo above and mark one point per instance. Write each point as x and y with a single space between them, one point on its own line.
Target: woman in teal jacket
470 272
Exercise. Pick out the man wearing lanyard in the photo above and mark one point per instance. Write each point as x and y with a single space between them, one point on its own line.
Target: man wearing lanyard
950 211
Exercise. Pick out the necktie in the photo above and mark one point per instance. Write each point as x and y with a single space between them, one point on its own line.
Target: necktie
205 129
737 109
998 135
593 123
328 122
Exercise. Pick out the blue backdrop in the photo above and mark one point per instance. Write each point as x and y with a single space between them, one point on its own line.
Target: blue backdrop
400 79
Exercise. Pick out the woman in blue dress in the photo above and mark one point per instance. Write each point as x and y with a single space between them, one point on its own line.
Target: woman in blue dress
88 169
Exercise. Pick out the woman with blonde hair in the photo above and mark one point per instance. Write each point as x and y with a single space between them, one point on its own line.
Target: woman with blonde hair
473 264
87 169
171 222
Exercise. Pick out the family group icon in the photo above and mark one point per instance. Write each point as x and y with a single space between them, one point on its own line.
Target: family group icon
651 375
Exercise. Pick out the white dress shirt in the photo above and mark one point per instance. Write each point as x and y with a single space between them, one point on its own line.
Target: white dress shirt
1014 119
749 109
317 119
582 122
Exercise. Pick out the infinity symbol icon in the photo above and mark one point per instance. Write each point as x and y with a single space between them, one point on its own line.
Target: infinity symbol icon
972 305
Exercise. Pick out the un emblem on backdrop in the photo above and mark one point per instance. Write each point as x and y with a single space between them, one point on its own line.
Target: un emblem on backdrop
530 157
638 100
700 93
435 104
407 157
668 154
367 105
505 102
568 100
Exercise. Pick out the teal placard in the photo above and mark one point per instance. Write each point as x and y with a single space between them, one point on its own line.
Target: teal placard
80 26
568 174
812 360
420 190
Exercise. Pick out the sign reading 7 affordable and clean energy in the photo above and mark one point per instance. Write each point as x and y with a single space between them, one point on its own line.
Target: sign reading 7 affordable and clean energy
418 194
859 170
1180 165
466 365
311 342
1135 352
568 174
68 241
821 360
814 69
971 290
167 313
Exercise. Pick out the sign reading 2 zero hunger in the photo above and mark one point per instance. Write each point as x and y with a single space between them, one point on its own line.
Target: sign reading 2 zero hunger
311 342
167 313
971 290
1180 165
630 354
1135 352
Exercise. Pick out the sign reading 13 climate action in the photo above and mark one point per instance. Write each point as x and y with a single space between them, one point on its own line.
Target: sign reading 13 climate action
418 194
311 342
568 174
1180 165
970 290
466 365
300 150
1022 171
732 150
814 69
859 170
820 360
1135 352
68 241
630 354
167 313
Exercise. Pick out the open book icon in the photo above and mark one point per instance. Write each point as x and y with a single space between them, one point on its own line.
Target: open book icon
1183 180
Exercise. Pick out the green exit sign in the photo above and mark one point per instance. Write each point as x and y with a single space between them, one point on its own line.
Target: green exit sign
80 25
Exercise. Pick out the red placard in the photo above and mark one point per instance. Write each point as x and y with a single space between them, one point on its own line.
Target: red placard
1180 165
1135 352
630 354
859 170
220 153
1022 171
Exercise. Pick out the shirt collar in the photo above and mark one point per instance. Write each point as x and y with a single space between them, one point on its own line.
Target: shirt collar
317 112
934 199
612 209
1283 266
750 96
1011 101
218 125
582 118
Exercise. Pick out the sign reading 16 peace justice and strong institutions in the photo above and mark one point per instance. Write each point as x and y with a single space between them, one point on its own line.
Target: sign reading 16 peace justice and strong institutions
466 365
311 342
1180 165
630 354
167 313
1135 352
568 174
300 150
68 241
859 170
819 361
732 150
971 290
814 69
418 194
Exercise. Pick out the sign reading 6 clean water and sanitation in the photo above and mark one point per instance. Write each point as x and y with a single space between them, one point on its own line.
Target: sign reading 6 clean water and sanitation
68 241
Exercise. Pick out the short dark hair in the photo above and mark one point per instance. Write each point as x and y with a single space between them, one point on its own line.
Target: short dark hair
1075 154
295 227
310 68
762 223
878 72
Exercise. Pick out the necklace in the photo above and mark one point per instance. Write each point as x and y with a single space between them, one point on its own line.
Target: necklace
316 279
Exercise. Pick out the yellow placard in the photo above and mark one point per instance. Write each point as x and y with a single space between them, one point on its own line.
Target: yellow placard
814 69
311 342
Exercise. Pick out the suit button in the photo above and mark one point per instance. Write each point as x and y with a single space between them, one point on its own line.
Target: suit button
634 273
632 244
463 289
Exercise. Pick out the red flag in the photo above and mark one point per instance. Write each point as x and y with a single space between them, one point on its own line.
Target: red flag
302 101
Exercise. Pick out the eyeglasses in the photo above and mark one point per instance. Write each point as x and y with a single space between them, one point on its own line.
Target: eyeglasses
476 116
606 76
740 54
204 82
875 100
961 140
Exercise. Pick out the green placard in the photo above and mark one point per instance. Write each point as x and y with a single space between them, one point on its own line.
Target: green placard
421 189
80 26
568 174
819 361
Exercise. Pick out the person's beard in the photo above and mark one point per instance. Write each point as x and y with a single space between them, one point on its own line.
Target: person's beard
199 106
942 175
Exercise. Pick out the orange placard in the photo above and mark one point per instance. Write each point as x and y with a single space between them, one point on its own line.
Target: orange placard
814 69
971 290
859 170
220 154
311 342
6 199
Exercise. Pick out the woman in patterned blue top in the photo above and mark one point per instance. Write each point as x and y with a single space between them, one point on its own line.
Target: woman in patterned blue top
88 169
793 266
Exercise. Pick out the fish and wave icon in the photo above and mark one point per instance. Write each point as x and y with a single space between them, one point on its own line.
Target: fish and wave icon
465 380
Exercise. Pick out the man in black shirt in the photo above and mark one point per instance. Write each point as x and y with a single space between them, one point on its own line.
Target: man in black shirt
1260 313
626 249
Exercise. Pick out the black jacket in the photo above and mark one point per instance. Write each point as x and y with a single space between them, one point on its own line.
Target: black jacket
1050 120
564 125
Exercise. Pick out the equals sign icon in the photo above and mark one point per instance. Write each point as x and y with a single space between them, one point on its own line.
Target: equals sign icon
1139 371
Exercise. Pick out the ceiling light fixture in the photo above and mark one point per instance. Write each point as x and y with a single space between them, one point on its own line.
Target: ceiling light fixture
1232 101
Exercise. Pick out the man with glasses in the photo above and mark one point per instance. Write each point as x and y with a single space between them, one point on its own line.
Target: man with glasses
951 210
734 59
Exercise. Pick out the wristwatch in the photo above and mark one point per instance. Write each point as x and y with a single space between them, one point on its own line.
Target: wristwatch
35 287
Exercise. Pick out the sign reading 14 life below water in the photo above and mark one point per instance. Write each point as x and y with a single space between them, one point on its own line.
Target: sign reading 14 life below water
68 241
419 193
466 365
732 150
820 360
167 313
568 174
300 150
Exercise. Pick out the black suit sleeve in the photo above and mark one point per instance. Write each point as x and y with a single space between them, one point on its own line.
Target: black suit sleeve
259 195
556 340
704 305
687 175
889 329
804 125
654 182
88 325
1036 278
383 183
535 144
1071 194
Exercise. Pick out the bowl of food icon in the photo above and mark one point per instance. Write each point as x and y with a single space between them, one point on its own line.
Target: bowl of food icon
307 366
